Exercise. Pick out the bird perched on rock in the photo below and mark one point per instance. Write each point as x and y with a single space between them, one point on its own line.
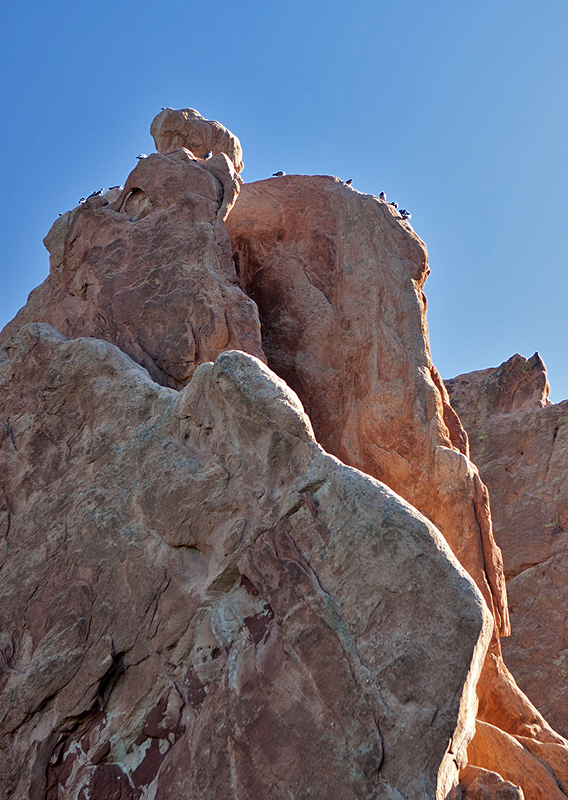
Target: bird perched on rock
82 200
404 213
395 205
349 182
207 154
96 194
278 174
382 196
116 187
141 156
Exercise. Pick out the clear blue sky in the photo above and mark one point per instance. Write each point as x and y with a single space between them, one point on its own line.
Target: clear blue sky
457 110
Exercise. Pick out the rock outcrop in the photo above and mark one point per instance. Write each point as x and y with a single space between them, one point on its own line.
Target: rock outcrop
199 601
519 440
152 271
187 128
338 278
197 598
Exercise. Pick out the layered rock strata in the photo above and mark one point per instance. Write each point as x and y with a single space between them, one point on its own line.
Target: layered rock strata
198 601
519 440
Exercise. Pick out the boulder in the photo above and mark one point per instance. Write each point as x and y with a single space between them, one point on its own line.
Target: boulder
186 127
482 784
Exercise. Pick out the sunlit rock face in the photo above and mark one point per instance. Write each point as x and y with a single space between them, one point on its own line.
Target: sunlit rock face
338 277
198 601
187 128
519 440
196 597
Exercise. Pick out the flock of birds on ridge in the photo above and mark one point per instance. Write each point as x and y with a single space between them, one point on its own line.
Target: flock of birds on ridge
402 211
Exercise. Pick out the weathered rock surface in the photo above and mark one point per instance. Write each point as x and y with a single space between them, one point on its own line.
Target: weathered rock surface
151 272
520 443
187 128
338 278
198 602
482 784
509 757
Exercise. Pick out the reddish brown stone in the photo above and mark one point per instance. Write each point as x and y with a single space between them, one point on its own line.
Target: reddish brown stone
152 271
482 784
338 277
520 443
342 684
195 597
186 127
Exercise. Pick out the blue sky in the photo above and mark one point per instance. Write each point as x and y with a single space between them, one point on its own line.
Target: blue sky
457 110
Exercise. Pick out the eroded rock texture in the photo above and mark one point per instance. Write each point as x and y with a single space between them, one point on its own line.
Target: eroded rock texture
520 442
187 128
338 279
199 602
152 271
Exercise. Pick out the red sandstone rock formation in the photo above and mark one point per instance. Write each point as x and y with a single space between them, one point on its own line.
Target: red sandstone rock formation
152 271
520 442
199 601
187 128
338 279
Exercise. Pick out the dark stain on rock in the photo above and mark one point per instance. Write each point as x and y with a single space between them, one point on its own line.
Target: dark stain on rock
147 770
259 624
249 586
194 689
154 719
108 782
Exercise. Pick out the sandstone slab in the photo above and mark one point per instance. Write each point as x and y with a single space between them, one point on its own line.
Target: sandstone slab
197 601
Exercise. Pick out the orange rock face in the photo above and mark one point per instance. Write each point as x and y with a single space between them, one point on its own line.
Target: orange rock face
520 442
338 277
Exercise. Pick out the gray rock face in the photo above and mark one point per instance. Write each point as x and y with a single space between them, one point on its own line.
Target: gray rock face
198 602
